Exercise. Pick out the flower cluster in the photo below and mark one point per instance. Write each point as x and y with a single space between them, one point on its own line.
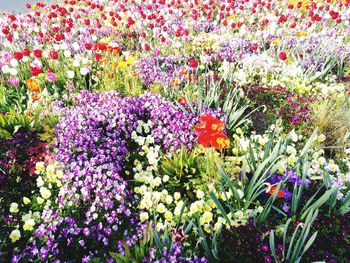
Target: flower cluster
210 132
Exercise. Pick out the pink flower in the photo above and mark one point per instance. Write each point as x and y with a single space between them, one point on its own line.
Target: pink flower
156 52
51 77
14 81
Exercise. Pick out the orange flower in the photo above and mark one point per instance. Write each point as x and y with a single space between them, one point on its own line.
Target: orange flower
209 124
181 100
210 132
33 85
116 51
175 82
183 72
217 140
220 141
205 139
35 98
99 58
272 189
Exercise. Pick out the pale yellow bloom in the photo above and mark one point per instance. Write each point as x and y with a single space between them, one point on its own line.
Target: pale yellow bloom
29 225
26 200
15 235
14 208
144 216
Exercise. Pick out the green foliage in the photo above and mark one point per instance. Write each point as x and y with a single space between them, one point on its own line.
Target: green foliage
11 122
138 251
296 244
183 168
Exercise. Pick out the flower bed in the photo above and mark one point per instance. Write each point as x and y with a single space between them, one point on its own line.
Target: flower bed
175 131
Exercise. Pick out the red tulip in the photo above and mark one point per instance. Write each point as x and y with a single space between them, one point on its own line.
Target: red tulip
282 56
53 54
37 53
193 63
18 55
26 52
35 71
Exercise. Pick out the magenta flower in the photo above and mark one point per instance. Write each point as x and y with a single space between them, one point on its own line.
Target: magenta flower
51 77
14 81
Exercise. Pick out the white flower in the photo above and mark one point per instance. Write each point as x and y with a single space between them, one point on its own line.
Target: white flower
76 63
67 53
14 63
165 178
321 138
5 69
39 181
13 72
200 194
84 71
14 208
294 136
177 196
169 199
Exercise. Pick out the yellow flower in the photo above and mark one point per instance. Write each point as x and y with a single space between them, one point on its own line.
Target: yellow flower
14 208
40 200
131 60
168 216
301 34
207 217
207 228
122 64
39 167
33 85
276 41
26 200
15 235
144 216
29 225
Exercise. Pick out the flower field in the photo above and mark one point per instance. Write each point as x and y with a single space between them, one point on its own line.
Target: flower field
175 131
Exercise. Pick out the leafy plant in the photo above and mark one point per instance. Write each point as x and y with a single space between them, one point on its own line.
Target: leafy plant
11 122
182 168
138 251
295 245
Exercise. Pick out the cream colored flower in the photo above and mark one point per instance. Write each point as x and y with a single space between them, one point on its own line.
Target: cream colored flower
15 235
144 216
29 225
14 208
